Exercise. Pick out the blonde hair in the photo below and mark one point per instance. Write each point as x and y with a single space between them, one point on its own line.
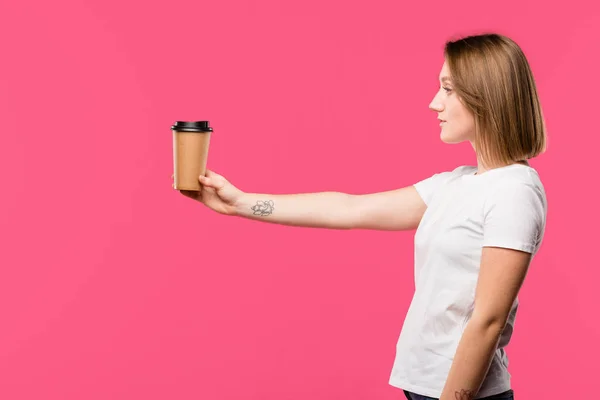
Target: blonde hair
493 79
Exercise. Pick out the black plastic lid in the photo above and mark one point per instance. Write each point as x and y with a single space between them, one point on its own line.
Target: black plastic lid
192 126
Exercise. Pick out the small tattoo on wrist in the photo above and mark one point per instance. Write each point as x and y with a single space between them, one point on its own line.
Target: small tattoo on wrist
263 208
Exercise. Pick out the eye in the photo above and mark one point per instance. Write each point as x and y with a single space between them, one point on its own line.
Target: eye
448 90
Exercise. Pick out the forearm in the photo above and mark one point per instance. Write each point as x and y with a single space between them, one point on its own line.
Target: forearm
319 210
472 361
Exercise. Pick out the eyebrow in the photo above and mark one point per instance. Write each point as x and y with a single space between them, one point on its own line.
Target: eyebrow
445 79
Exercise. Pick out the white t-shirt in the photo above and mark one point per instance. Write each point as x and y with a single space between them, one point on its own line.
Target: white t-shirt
502 207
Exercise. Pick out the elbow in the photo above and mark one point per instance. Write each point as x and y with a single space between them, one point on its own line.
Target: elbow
489 324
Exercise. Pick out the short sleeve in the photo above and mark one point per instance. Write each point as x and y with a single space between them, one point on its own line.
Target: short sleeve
515 217
429 186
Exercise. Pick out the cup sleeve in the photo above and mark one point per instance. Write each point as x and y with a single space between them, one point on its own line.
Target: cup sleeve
515 218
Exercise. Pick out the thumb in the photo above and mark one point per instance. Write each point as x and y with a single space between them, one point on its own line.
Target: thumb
214 181
211 174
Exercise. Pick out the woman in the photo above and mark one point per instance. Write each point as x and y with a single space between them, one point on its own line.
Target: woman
477 226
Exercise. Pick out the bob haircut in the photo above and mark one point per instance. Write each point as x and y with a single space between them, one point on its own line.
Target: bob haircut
493 79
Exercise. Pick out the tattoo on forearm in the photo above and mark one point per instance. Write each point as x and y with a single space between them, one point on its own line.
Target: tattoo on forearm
263 208
464 395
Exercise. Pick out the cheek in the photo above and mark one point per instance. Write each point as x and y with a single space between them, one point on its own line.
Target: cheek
468 119
463 115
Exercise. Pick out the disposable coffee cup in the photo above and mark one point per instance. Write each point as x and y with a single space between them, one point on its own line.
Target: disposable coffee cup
191 140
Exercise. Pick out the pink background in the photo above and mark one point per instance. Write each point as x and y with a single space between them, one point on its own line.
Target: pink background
114 286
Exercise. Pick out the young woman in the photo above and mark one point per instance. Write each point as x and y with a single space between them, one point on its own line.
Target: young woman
477 227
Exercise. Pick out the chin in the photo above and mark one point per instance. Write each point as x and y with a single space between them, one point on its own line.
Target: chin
452 139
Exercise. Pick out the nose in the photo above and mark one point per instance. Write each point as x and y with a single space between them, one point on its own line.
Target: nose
436 105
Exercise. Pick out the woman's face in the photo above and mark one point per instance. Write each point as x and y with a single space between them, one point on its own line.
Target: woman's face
457 123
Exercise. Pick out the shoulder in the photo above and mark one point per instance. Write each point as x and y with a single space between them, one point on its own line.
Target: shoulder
431 185
464 169
456 172
517 196
518 184
441 177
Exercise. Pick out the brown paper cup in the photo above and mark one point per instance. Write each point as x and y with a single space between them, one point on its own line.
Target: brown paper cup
191 141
